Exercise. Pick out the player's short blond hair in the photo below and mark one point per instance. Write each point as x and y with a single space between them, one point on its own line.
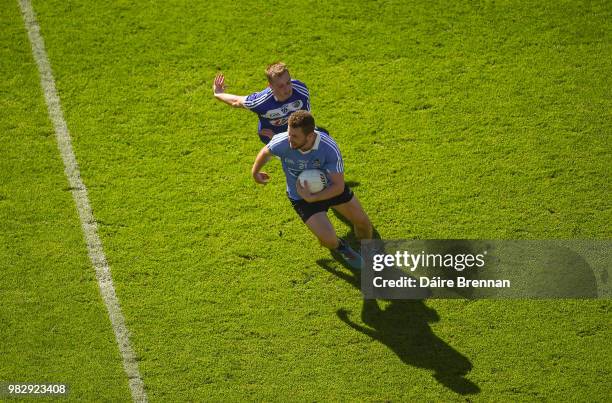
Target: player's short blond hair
302 119
276 69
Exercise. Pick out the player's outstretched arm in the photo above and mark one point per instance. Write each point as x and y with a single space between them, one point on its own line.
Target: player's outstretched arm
261 177
237 101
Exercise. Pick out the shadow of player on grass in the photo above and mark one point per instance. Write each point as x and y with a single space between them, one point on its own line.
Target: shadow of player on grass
403 326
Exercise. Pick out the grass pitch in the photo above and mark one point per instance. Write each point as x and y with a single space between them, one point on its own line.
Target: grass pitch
479 120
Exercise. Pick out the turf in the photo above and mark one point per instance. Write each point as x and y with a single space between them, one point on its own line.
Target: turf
477 120
53 325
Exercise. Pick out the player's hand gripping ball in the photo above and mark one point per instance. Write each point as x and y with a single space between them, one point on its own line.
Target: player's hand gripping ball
316 179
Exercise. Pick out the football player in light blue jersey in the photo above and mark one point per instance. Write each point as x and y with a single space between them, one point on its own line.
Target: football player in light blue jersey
303 147
272 105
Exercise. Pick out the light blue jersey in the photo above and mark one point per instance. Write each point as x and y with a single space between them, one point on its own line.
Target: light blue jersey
324 155
273 114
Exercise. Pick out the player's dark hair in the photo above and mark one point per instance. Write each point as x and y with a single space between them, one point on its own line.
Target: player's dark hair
302 119
275 69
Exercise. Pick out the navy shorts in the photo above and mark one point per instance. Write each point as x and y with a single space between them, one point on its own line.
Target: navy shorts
264 139
306 210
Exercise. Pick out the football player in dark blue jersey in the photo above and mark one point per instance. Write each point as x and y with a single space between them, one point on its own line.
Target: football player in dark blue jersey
274 104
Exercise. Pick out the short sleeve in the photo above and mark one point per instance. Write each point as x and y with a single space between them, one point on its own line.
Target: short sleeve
279 144
302 89
255 99
333 158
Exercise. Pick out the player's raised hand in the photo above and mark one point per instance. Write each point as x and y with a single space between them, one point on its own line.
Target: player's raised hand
219 84
261 177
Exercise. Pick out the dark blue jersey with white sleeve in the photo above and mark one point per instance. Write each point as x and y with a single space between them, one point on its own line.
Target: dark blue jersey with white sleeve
273 114
324 155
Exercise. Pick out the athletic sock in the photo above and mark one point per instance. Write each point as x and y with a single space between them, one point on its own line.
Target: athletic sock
343 246
352 258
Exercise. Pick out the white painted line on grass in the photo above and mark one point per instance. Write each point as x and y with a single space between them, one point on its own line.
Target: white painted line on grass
79 192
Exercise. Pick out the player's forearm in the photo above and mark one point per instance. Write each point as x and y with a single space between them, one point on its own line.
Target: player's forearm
236 101
333 190
261 160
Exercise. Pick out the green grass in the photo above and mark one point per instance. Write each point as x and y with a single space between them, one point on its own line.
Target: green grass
53 324
479 120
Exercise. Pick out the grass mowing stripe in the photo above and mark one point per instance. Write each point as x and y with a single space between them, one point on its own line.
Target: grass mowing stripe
79 192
